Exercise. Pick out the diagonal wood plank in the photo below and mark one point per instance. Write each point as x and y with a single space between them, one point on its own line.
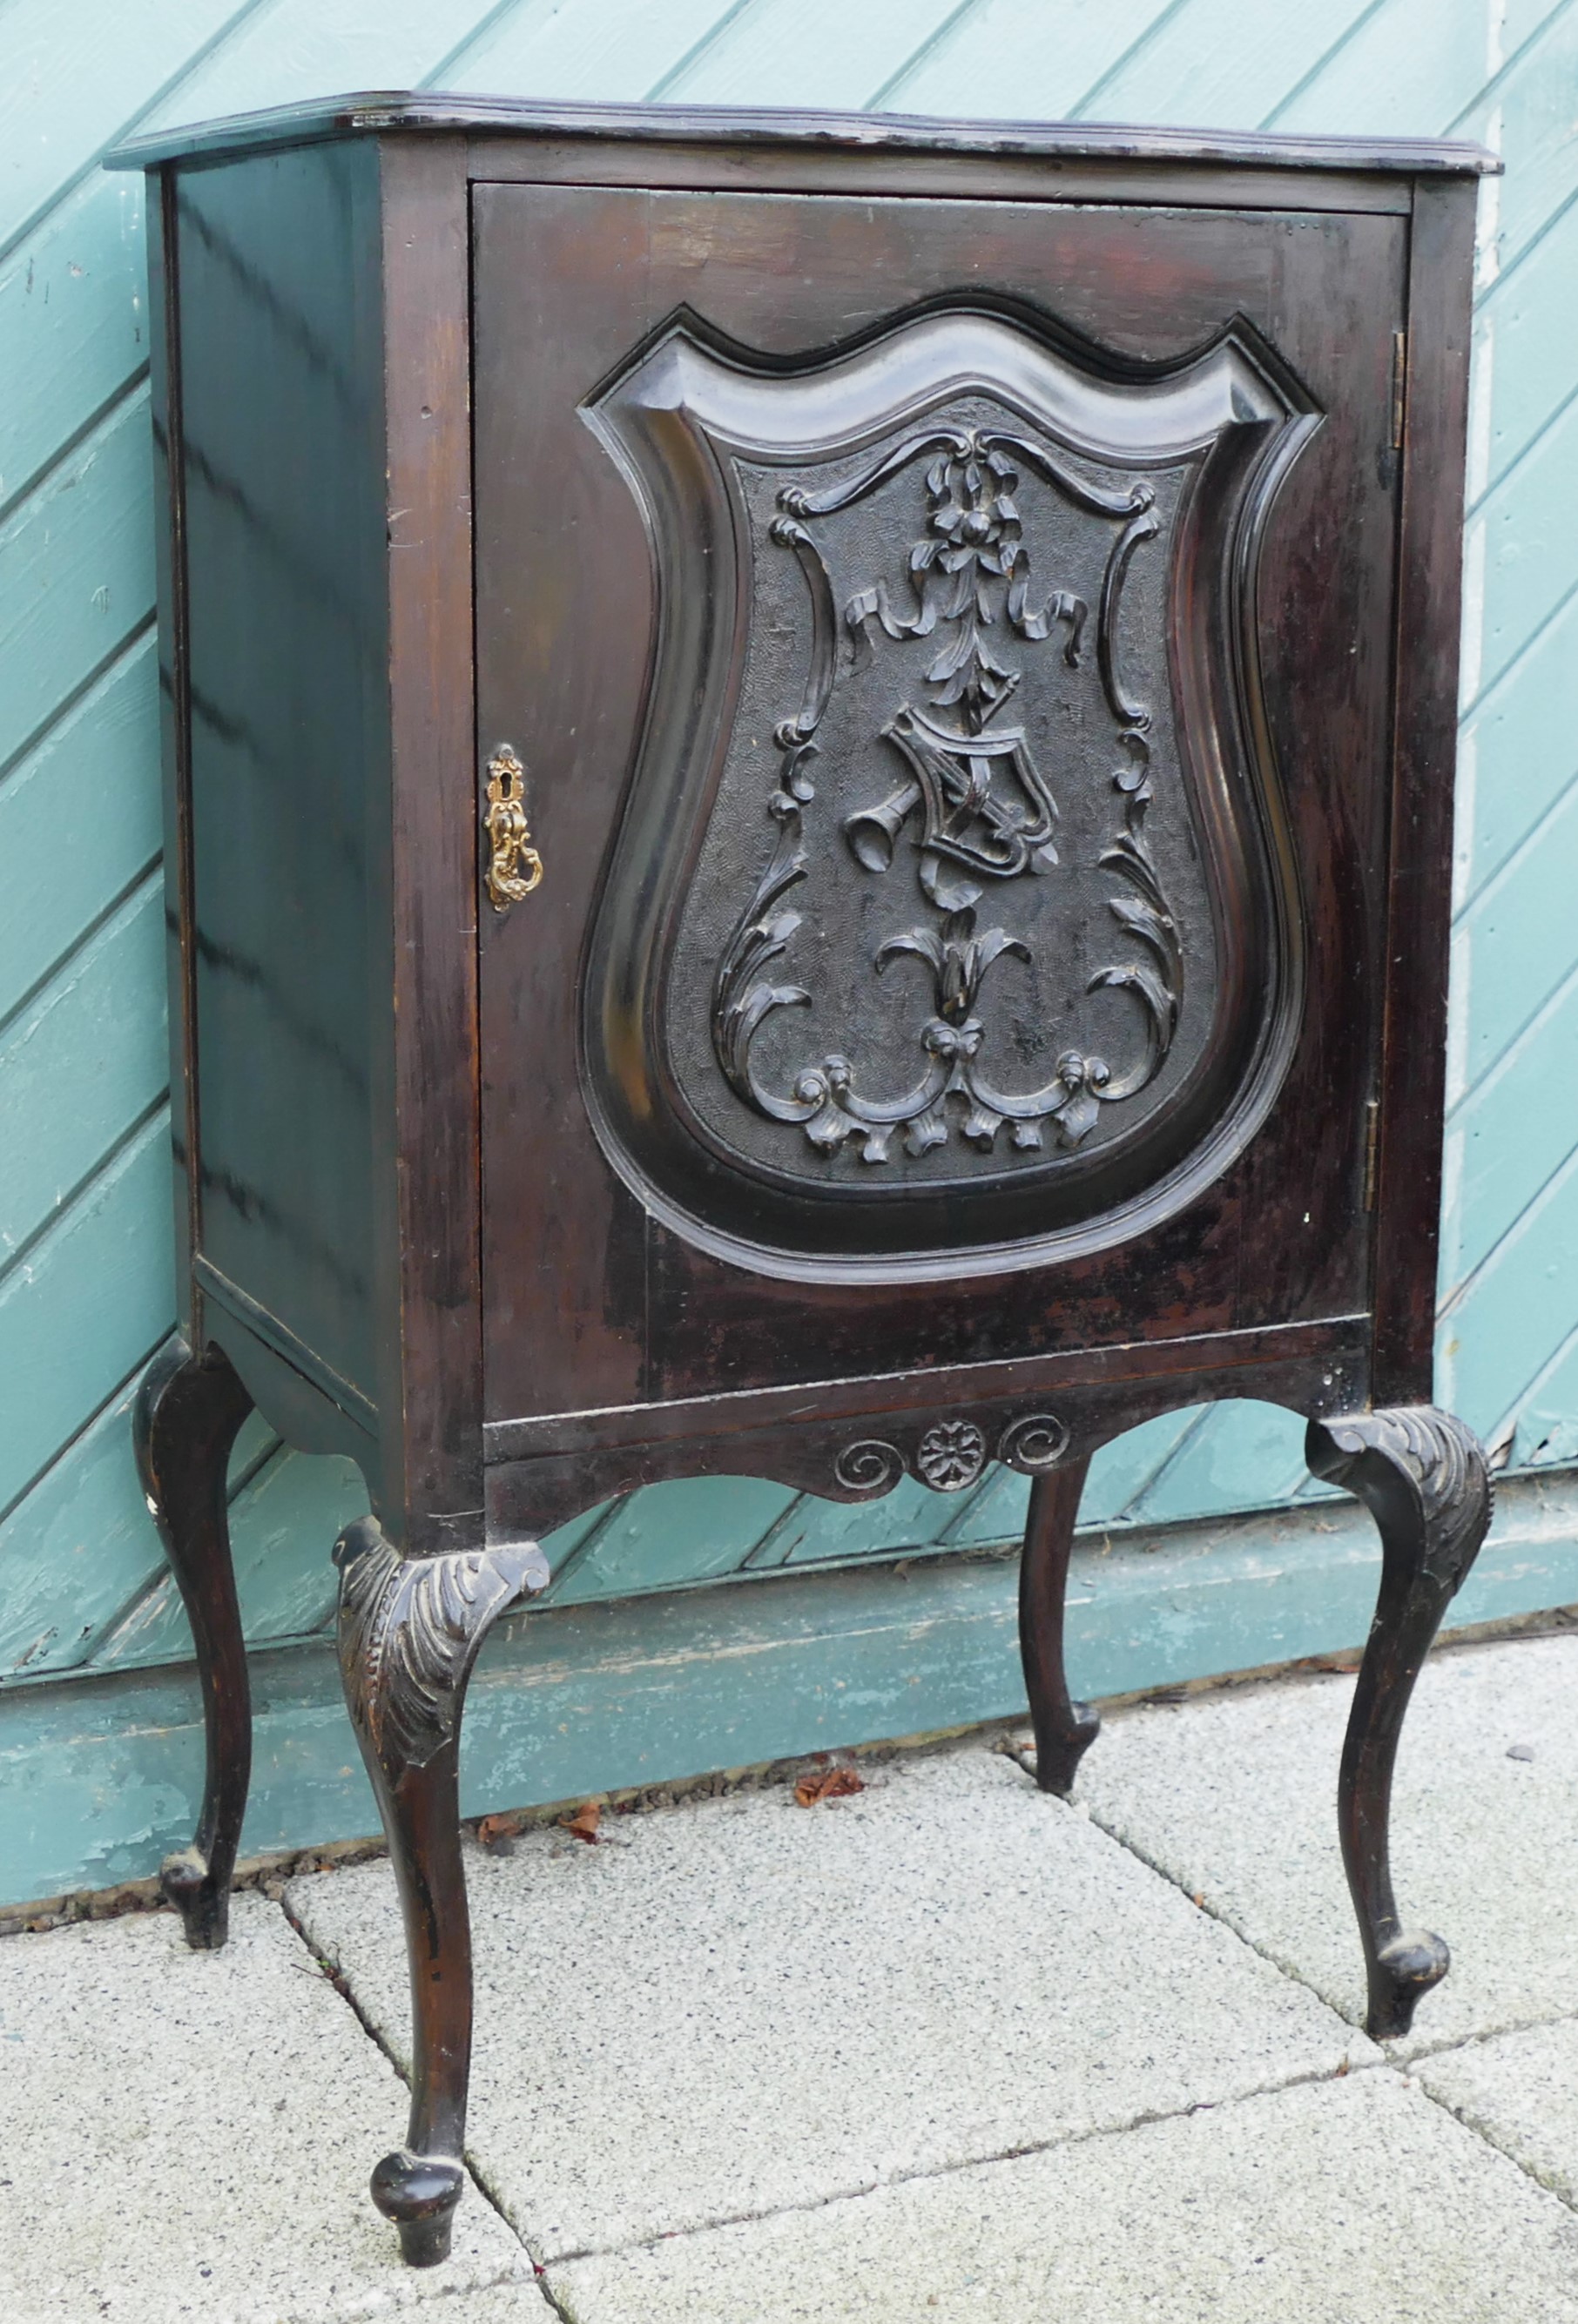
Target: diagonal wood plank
92 1299
81 1067
1517 941
611 51
1492 1176
1526 112
807 52
1516 754
297 50
1409 68
1004 60
1216 61
73 325
75 1549
1241 1456
1526 344
692 1531
1499 1331
106 748
1546 1428
72 291
813 1531
76 575
77 73
1525 533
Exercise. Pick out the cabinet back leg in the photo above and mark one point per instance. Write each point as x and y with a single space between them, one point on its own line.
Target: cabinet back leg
188 1412
410 1632
1064 1730
1423 1476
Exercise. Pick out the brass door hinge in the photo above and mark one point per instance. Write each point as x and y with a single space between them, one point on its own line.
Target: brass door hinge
1400 386
515 866
1371 1150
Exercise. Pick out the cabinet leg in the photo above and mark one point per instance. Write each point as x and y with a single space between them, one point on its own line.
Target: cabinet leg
1064 1730
409 1631
1423 1476
188 1412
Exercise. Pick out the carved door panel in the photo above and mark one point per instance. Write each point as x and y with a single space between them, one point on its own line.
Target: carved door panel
892 606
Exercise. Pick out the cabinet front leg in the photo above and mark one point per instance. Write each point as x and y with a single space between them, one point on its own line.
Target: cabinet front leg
410 1632
1064 1730
1423 1476
188 1412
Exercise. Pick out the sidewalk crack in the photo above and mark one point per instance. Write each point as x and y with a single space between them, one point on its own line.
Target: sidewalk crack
1477 2129
333 1972
1017 2153
1203 1904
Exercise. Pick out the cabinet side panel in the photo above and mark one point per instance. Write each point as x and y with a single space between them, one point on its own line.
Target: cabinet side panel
1419 907
282 430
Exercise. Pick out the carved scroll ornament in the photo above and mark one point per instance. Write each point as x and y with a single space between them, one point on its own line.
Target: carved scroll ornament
951 1454
984 806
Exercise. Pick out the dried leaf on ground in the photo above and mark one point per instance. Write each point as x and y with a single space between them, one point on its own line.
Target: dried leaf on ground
499 1833
828 1784
583 1824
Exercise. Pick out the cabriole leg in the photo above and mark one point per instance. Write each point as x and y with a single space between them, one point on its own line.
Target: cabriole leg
1063 1729
1423 1476
188 1412
409 1631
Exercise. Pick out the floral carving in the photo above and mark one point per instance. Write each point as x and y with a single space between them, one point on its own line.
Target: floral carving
951 1455
969 569
984 806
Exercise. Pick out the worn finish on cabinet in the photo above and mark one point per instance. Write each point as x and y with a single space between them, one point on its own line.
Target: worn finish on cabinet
810 767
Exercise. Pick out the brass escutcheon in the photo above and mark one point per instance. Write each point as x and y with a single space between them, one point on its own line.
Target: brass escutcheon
515 866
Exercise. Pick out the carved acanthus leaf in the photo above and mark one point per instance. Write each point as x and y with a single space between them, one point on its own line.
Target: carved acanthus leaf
1413 1464
410 1630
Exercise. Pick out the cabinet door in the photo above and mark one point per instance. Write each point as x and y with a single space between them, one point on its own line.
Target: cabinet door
948 648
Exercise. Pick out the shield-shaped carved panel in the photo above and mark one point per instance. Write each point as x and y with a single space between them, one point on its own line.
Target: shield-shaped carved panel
952 920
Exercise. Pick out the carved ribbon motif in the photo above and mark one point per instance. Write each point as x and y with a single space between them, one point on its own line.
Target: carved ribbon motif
985 811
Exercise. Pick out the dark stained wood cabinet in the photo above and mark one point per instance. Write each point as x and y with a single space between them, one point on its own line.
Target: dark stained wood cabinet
809 788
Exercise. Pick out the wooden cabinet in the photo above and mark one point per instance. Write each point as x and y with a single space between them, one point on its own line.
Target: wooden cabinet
809 787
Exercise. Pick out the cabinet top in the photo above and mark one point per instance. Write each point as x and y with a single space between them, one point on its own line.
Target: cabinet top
414 112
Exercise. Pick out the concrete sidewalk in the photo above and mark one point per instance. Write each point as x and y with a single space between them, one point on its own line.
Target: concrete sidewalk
946 2049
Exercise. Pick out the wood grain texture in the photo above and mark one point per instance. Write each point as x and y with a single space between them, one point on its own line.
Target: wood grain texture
79 703
433 1213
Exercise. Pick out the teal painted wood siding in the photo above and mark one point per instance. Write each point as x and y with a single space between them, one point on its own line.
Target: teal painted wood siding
85 1277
